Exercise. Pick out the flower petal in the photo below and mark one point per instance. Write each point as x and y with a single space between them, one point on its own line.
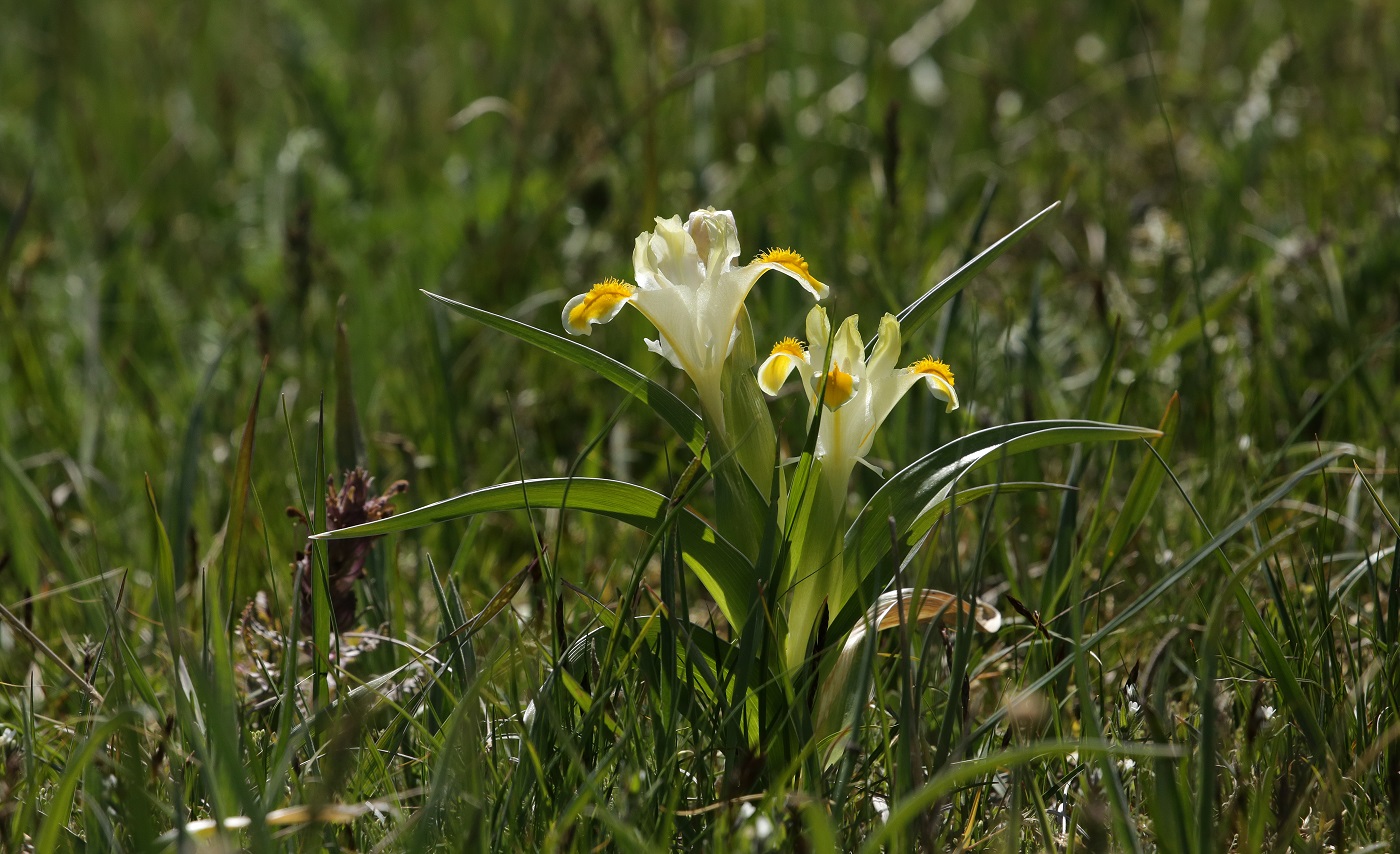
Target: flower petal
600 304
848 351
660 347
716 239
667 258
939 378
886 355
818 335
944 391
672 312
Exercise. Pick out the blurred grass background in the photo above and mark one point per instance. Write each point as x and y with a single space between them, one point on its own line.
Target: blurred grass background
191 188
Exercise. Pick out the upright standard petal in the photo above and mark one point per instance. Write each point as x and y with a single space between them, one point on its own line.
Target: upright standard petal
667 258
716 239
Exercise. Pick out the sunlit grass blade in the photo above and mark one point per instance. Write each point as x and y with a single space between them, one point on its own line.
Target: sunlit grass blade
1375 496
1276 661
349 439
1132 609
242 476
907 810
179 501
63 796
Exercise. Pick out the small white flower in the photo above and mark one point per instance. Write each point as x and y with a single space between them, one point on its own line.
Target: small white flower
882 807
762 829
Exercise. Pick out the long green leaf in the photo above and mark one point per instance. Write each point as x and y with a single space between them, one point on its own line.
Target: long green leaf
725 572
905 811
939 509
670 408
242 477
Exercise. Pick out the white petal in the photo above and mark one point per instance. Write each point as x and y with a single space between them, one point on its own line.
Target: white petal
599 305
817 289
818 334
666 257
716 239
672 312
943 391
661 348
849 350
886 356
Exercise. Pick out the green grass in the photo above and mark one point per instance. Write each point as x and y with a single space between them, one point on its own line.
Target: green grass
1201 649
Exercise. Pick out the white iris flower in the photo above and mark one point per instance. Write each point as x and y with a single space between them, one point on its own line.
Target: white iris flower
857 394
854 395
692 292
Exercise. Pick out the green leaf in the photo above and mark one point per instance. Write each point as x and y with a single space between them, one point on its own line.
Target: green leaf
910 493
670 408
724 571
349 440
939 509
1380 505
65 793
911 808
742 483
242 477
1191 329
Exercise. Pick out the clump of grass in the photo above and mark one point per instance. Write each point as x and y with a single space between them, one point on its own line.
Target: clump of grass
1200 633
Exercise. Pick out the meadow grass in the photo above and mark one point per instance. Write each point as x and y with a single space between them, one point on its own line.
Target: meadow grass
217 222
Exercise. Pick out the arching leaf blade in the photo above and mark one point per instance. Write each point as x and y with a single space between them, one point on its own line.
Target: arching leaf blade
724 571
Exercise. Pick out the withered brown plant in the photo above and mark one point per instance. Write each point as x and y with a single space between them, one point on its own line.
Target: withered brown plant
345 559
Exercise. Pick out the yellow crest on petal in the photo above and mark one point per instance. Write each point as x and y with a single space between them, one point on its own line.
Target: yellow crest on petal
838 387
794 263
781 360
599 305
932 367
789 347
